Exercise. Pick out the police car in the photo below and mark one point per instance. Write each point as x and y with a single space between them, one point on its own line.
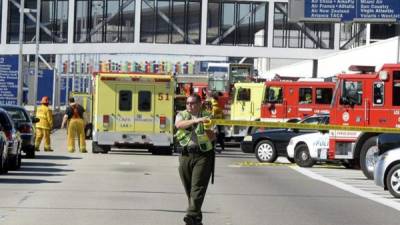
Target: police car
307 149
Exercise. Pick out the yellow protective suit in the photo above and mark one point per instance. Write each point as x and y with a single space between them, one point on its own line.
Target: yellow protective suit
76 128
43 127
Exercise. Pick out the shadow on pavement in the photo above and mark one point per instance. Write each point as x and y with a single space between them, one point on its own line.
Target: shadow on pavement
25 181
174 211
41 164
11 173
56 157
133 152
43 169
224 154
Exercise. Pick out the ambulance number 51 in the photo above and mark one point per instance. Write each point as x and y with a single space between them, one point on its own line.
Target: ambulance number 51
162 96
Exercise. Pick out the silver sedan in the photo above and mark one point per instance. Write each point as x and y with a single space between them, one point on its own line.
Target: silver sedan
387 172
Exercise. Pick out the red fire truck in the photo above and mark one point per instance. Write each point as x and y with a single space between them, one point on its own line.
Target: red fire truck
285 100
367 98
280 101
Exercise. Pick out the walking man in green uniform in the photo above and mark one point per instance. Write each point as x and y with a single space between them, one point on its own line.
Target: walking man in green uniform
197 159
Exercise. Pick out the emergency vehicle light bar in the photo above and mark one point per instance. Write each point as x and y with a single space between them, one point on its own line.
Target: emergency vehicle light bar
362 69
135 79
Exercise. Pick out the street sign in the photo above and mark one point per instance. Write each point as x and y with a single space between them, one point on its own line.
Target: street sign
346 10
8 79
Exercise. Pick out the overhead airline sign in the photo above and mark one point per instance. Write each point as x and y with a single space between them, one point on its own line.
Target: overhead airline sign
345 10
8 79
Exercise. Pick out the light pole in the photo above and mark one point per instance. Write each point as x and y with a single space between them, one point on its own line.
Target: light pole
20 56
35 81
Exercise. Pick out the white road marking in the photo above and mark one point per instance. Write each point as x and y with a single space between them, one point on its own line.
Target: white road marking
126 163
349 188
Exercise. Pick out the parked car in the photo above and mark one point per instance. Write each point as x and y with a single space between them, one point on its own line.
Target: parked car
269 144
307 149
24 124
387 172
3 151
386 142
13 140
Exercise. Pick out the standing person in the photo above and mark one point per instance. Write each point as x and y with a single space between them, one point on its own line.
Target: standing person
76 125
197 159
43 127
217 113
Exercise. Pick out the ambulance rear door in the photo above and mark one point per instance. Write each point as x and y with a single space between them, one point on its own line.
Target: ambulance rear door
144 108
242 106
124 109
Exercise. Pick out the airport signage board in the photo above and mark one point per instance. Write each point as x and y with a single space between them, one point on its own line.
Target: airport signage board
347 10
8 79
45 85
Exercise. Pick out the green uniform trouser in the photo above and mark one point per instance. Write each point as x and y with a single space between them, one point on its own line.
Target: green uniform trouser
195 172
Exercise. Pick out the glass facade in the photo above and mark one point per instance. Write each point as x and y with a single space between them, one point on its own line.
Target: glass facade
300 35
229 22
104 21
237 23
170 21
54 18
1 15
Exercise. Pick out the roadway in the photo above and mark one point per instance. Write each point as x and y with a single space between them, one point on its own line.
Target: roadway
137 188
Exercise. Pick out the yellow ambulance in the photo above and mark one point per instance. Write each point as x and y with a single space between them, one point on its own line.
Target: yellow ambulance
133 110
246 105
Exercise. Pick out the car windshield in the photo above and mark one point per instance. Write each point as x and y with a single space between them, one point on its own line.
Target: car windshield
315 120
308 120
17 114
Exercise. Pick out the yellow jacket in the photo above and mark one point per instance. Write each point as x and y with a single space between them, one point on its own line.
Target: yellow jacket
216 111
46 117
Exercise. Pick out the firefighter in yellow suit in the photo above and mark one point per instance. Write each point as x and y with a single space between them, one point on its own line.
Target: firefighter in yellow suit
43 127
76 126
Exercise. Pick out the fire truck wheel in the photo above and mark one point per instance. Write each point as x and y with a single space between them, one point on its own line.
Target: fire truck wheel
302 156
393 181
265 151
350 164
368 157
100 148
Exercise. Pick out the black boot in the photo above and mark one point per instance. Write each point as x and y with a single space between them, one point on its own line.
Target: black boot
190 220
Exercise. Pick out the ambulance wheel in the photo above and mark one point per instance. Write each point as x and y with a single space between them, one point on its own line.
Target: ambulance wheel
368 157
88 131
302 156
100 148
157 150
266 152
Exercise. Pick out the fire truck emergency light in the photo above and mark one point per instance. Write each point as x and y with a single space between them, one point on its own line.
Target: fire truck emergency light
383 75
